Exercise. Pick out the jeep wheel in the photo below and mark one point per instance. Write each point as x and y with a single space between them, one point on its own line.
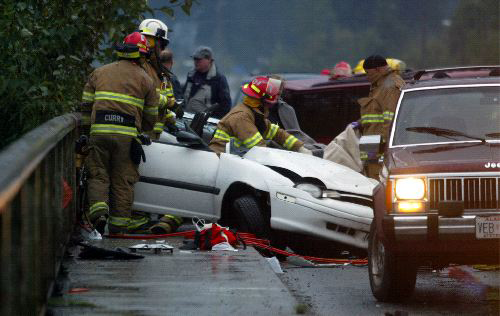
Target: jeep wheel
248 216
392 278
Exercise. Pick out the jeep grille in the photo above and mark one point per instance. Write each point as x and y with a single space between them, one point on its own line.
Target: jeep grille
477 193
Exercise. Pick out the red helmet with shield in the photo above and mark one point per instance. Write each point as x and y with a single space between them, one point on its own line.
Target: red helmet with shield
264 88
133 45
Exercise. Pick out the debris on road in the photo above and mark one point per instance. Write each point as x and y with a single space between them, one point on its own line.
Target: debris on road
93 252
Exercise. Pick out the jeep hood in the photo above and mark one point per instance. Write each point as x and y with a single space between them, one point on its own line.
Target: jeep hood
452 157
333 175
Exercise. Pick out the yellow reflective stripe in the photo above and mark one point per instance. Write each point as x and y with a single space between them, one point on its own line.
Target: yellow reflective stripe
177 219
252 141
88 96
113 96
388 115
158 127
163 100
372 118
119 221
169 114
98 206
152 110
371 121
137 222
372 115
129 55
273 129
222 135
112 129
254 88
289 142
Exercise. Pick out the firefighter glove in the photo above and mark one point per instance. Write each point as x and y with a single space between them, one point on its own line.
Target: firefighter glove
144 139
136 152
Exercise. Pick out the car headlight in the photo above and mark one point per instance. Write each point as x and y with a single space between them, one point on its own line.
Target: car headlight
410 189
312 189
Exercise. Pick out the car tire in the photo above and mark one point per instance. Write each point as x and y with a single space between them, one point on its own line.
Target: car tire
392 278
248 216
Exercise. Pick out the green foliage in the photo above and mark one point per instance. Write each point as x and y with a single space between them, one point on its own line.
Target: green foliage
48 47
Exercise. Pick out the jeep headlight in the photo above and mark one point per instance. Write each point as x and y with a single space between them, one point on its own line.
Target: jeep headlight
410 189
310 188
410 195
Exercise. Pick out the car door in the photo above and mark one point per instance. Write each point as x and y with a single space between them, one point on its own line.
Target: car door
177 179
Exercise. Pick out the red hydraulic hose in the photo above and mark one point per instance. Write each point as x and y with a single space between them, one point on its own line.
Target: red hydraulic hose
249 239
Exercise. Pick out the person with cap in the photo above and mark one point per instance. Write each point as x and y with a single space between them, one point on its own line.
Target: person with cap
206 89
247 123
341 70
377 110
123 103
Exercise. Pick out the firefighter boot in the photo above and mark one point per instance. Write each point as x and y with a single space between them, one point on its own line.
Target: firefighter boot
140 223
97 216
118 225
167 224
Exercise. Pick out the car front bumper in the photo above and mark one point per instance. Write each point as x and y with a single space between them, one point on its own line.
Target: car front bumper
297 211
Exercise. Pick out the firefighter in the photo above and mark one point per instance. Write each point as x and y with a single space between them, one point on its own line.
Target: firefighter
156 33
247 122
123 103
377 110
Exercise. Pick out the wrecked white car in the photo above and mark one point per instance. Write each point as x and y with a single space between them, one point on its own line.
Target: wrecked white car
258 190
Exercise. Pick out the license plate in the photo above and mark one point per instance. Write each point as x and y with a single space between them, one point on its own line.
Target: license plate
487 227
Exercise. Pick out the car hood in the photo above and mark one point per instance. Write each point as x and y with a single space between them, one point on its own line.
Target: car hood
454 157
333 175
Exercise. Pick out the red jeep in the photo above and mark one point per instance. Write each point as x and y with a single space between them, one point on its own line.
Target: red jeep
438 201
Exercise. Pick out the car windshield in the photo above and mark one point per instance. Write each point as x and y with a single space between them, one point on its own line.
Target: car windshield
453 114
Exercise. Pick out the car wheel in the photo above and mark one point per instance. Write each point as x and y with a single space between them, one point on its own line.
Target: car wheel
391 278
248 216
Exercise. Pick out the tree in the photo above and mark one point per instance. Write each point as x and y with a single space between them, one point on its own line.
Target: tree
48 47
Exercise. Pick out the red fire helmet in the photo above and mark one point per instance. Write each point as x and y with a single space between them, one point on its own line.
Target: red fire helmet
264 88
133 45
138 39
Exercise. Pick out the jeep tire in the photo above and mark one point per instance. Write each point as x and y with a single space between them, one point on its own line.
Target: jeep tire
392 278
248 216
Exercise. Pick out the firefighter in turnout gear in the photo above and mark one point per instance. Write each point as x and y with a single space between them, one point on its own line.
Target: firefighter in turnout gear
123 103
156 33
377 110
247 122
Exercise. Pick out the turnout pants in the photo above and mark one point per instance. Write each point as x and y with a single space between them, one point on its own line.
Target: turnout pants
112 176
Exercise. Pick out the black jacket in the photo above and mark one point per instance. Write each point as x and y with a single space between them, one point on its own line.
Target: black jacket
220 95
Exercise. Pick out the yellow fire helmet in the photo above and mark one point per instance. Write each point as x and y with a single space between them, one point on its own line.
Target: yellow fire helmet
359 68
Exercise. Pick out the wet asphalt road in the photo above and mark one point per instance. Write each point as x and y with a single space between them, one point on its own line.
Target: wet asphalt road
346 291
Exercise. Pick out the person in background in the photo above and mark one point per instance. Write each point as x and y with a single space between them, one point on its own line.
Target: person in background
247 123
341 70
206 89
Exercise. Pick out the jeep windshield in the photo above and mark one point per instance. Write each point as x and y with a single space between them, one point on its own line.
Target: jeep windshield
448 114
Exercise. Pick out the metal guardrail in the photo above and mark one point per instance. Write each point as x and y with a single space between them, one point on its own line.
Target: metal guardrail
34 227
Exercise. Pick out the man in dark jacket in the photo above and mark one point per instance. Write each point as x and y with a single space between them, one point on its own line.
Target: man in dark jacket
206 89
